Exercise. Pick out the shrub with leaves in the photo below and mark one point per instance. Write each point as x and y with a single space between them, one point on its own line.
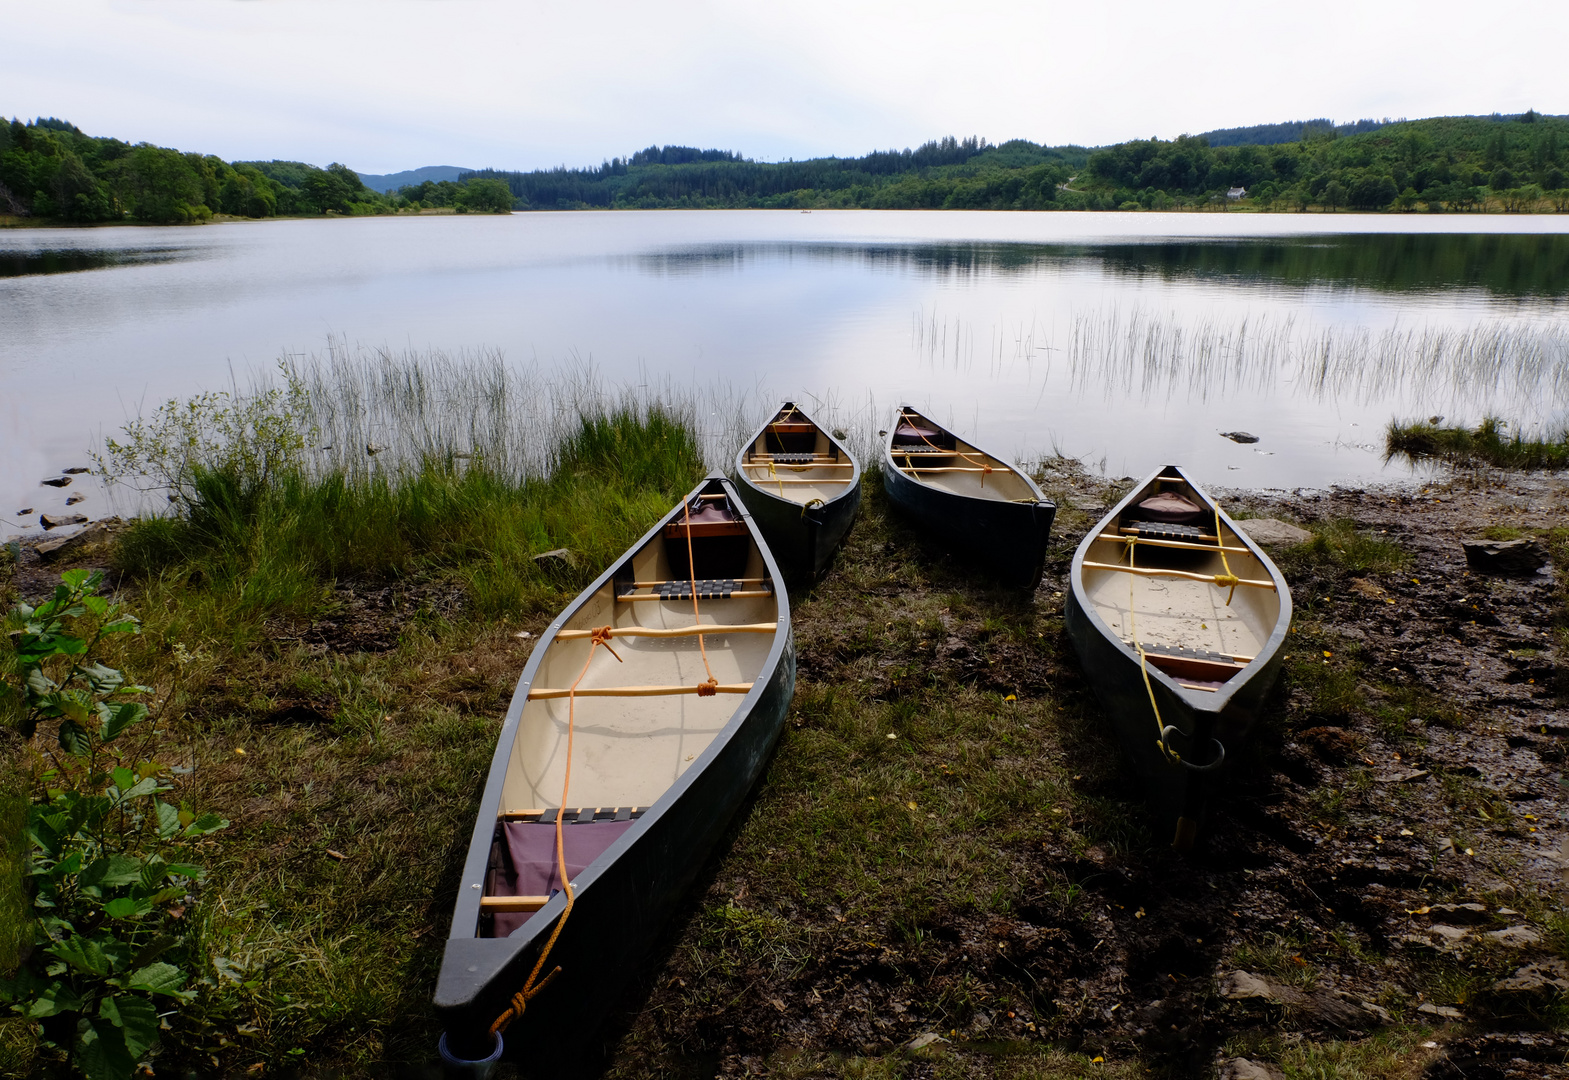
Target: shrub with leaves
109 856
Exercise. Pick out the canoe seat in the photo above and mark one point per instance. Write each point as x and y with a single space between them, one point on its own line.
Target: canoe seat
576 815
1165 530
794 459
522 873
1195 665
707 589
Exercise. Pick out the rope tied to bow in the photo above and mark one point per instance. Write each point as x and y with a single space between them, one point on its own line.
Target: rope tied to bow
983 461
598 636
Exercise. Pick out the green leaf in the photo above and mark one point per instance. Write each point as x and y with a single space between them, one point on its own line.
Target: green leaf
168 821
121 715
83 954
146 786
73 739
102 1052
79 578
207 823
52 1000
136 1016
112 870
159 978
125 624
128 907
122 777
102 678
188 870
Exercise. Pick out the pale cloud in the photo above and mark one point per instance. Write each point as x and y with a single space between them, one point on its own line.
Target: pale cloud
400 83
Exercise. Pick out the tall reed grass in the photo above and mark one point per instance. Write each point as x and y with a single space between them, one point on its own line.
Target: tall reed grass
361 463
1486 444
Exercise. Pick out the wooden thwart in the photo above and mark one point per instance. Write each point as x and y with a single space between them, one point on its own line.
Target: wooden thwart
1152 542
768 481
1157 572
552 693
952 468
512 903
674 631
823 463
1134 532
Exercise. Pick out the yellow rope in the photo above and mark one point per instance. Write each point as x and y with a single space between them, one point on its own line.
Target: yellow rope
810 504
711 687
1133 631
1228 578
773 474
520 1000
984 463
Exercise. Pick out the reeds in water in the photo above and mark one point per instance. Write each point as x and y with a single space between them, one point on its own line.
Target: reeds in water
1486 444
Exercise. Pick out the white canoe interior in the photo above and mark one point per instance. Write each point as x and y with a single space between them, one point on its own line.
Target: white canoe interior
631 745
795 460
928 453
1159 590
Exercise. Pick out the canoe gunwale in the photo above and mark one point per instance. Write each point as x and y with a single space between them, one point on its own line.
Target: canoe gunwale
479 975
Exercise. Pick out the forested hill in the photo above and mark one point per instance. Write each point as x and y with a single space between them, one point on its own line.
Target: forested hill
51 170
1495 163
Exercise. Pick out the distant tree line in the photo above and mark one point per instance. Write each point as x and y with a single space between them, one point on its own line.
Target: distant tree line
49 169
1494 162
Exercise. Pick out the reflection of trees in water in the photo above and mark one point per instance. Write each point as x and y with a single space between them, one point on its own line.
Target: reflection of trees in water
1146 355
1503 265
70 260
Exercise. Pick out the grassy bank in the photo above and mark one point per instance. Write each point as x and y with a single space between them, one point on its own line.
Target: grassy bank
1486 444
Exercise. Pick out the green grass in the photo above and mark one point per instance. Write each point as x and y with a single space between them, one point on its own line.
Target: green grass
1486 444
1338 546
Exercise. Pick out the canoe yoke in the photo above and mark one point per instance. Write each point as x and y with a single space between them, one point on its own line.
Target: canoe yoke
791 437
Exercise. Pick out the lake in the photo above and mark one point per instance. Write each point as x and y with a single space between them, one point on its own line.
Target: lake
1129 340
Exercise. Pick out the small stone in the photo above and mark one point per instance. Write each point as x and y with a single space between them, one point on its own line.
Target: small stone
24 511
556 555
1504 556
1240 1068
1541 978
74 499
1515 937
1274 531
374 448
1460 914
57 521
922 1041
1447 933
58 548
1239 436
1443 1012
57 481
76 470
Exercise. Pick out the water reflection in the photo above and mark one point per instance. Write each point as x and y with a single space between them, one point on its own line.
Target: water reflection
1534 266
70 260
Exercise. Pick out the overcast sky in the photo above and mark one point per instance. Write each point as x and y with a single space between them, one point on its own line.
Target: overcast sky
395 84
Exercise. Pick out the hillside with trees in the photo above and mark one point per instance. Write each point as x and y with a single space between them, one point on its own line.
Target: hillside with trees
50 170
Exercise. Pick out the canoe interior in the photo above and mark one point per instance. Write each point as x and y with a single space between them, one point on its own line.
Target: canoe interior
628 750
795 460
937 458
1186 626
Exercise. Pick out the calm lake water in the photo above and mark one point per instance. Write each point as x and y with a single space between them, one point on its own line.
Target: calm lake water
1128 339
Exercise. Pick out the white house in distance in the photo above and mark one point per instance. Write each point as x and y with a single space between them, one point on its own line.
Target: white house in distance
1237 193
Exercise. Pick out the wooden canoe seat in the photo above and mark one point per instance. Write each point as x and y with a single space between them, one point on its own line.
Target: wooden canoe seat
674 631
792 427
550 693
580 815
796 459
707 589
1196 665
1165 530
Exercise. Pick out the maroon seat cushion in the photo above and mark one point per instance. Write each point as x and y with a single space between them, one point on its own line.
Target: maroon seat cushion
531 852
1171 508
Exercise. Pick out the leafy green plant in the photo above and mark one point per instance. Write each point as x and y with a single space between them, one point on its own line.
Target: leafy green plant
109 857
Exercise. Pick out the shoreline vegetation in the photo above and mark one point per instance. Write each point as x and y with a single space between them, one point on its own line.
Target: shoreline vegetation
52 173
945 868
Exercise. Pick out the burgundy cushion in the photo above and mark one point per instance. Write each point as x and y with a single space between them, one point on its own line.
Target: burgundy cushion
1170 507
532 850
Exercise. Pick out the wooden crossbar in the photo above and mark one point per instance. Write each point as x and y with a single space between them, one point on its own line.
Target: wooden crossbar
552 693
512 903
1142 540
952 468
685 581
1156 654
815 463
674 631
1156 572
769 481
1125 531
741 595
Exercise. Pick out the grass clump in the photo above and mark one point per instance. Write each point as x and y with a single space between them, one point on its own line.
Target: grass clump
1338 546
1485 444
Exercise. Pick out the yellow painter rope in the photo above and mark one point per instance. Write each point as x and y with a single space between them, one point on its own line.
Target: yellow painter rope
1228 578
1166 752
711 687
534 984
810 504
984 463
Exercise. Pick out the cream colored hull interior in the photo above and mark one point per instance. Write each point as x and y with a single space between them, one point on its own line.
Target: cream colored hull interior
799 483
627 751
964 471
1180 613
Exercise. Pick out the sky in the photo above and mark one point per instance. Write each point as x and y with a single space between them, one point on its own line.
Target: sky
396 84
